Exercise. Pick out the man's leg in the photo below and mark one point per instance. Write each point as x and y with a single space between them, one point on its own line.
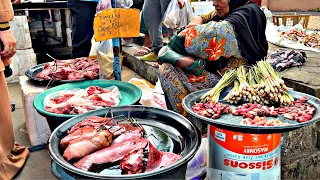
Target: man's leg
152 19
82 26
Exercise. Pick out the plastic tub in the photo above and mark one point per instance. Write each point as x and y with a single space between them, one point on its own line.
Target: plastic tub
130 93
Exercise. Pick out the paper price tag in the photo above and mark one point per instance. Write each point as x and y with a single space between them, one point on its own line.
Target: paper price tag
116 23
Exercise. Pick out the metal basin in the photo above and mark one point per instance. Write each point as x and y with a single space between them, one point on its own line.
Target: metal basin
184 136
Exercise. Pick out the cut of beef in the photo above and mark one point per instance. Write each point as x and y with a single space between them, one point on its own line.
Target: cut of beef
70 69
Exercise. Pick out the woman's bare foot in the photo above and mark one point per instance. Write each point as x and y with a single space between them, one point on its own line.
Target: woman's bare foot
147 41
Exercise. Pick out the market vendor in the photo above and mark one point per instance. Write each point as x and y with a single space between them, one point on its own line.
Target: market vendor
12 155
231 36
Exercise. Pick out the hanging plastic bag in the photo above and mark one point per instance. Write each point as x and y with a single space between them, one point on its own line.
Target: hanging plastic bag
178 14
105 58
147 92
103 4
126 3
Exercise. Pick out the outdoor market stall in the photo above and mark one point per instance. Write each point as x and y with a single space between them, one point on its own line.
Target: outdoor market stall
246 121
291 31
72 89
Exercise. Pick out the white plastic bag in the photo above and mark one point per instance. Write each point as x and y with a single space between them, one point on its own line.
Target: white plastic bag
105 58
126 3
267 13
197 166
177 17
147 92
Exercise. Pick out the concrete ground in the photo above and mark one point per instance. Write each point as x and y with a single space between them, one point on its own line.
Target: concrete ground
38 163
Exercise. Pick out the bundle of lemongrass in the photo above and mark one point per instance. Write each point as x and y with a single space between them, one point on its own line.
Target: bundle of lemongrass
214 94
261 84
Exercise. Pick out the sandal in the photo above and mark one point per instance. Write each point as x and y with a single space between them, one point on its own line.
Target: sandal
150 57
142 51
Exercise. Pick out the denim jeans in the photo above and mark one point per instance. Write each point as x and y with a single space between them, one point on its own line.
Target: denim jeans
83 13
152 12
144 30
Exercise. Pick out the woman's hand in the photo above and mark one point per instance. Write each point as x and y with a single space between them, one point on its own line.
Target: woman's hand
197 20
9 43
183 33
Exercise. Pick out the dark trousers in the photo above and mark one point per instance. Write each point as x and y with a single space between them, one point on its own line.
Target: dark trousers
82 26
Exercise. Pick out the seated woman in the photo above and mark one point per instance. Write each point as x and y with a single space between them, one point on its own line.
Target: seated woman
231 36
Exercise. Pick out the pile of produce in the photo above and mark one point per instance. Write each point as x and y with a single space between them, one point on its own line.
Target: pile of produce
260 84
214 94
97 142
300 110
211 110
251 110
308 39
262 121
79 101
260 90
80 68
282 59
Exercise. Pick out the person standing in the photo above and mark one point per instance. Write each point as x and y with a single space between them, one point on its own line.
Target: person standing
153 12
12 155
82 13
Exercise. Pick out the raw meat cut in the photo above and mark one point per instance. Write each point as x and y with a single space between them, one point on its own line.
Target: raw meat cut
127 136
93 121
158 159
86 129
111 154
262 121
97 143
132 163
80 68
79 101
81 147
81 133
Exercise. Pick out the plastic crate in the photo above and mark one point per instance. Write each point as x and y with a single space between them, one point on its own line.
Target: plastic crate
290 20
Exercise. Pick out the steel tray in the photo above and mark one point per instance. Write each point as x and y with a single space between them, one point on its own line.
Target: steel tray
34 71
231 122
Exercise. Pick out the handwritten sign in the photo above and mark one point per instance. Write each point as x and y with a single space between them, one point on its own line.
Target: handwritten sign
116 23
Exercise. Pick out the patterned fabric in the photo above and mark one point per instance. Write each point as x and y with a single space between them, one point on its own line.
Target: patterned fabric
212 40
176 85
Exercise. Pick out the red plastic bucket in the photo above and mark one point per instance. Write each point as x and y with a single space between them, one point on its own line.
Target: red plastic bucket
234 155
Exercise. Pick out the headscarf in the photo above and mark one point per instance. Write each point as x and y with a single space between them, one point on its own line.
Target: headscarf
249 25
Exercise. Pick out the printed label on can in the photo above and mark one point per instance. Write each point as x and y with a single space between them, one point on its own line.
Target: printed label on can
234 155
